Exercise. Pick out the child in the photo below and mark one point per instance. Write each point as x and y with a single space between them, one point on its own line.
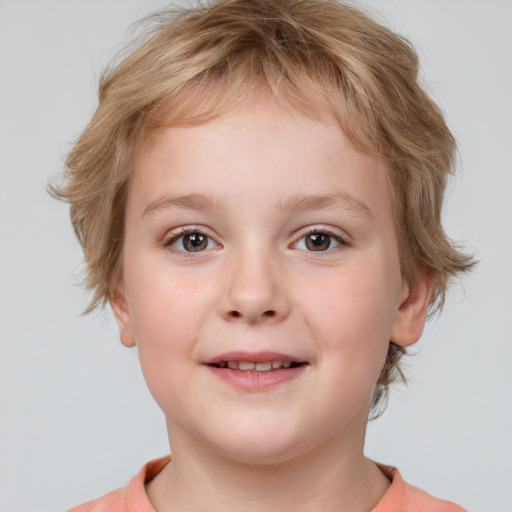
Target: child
258 198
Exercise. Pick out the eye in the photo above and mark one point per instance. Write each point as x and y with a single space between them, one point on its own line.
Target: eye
190 241
319 241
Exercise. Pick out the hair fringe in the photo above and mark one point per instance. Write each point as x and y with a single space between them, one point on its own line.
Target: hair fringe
189 65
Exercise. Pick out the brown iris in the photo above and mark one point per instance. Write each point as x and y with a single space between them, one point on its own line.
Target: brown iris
318 242
194 242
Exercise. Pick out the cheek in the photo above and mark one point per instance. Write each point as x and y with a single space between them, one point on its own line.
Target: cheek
165 305
167 312
352 314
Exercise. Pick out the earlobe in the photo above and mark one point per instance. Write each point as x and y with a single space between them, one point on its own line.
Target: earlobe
412 312
122 316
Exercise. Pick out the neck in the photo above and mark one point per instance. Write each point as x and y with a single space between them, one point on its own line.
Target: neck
329 478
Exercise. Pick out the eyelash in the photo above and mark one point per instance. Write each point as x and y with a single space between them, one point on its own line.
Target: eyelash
174 237
324 231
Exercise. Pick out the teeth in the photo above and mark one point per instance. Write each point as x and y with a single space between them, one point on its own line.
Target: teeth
259 367
263 367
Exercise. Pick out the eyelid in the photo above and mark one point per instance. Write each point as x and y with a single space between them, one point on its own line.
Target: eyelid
175 234
336 234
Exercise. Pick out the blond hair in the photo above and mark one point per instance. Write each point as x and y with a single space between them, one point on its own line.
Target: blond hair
193 64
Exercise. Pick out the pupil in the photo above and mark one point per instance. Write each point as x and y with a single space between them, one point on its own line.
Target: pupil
194 242
318 242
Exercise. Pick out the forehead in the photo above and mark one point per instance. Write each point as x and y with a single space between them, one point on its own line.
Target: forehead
262 145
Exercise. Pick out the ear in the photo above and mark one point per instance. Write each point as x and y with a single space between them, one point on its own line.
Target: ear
412 311
123 318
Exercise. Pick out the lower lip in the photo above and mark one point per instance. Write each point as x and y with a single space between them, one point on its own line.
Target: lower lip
257 381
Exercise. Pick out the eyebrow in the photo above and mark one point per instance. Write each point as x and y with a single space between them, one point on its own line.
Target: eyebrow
186 202
304 202
298 202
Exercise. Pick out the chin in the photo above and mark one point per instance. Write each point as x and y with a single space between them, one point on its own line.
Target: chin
261 454
259 442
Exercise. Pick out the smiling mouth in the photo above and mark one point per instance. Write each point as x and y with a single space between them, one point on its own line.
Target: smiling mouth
260 367
256 371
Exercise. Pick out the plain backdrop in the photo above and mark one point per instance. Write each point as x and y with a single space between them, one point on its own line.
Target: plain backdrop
76 417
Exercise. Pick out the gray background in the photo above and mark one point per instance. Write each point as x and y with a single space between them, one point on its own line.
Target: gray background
76 418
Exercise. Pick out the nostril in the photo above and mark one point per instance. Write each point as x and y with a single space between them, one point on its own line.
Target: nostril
270 313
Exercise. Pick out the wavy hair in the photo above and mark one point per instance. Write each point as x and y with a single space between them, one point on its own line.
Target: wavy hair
189 65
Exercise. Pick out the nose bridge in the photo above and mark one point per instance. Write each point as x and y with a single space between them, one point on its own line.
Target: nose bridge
254 291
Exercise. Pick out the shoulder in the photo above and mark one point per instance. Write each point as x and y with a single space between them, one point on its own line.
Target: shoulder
132 498
419 498
403 497
114 501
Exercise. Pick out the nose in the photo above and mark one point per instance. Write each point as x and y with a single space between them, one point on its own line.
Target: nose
255 291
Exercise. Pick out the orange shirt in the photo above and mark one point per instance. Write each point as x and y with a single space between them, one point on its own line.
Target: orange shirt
400 497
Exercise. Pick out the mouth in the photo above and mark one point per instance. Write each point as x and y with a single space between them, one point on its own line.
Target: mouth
256 371
257 367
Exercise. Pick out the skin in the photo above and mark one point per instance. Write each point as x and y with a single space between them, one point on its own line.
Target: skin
259 286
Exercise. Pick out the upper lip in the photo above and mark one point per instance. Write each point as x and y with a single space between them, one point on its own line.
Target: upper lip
254 357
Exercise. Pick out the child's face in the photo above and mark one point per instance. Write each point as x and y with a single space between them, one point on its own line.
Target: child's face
261 236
